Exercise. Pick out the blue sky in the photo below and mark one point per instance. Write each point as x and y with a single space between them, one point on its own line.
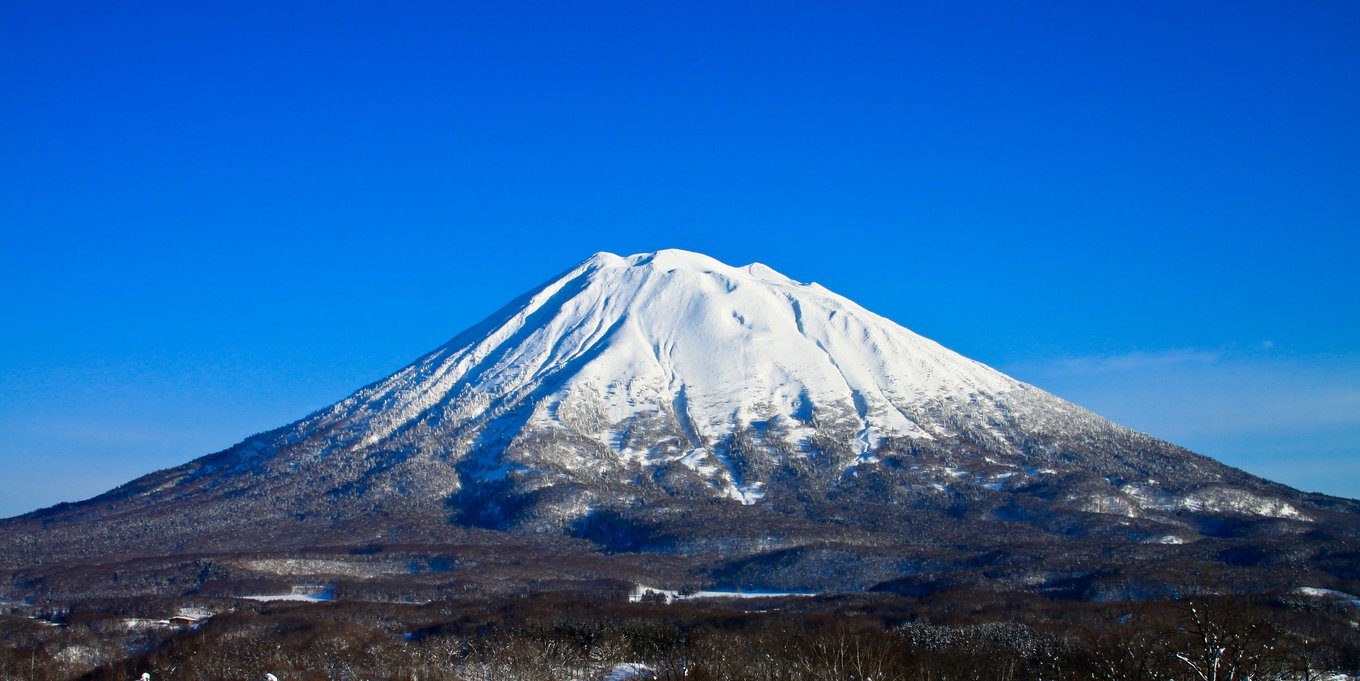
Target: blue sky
217 217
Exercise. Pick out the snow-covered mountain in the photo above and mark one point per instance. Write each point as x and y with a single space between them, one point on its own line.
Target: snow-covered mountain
676 333
658 359
678 342
669 403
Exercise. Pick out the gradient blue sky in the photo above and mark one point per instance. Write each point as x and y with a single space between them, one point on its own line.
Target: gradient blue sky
216 217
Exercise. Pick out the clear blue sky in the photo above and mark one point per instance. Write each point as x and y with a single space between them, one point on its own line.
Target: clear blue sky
216 217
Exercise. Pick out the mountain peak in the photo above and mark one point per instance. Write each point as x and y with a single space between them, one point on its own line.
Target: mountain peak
668 259
676 258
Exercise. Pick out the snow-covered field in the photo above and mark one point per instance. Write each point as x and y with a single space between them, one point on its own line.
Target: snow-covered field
641 593
300 594
629 671
1330 594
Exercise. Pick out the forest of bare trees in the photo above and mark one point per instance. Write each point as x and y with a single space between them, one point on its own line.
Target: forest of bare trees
962 637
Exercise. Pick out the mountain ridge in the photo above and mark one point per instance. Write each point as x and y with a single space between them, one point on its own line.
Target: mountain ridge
665 409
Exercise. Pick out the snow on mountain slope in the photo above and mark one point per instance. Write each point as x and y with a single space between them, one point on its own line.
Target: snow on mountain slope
665 358
721 346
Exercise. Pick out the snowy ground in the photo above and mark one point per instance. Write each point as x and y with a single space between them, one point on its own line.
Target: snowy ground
640 592
300 594
1330 594
629 671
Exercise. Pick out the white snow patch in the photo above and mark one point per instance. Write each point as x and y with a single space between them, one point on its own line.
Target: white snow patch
629 671
192 613
746 494
299 593
749 594
1219 499
697 461
998 482
640 592
1329 594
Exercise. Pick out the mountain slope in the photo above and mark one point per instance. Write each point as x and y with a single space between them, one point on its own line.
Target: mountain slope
668 404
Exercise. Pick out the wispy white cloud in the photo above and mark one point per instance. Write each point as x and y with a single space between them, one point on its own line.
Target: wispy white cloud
1285 416
1133 361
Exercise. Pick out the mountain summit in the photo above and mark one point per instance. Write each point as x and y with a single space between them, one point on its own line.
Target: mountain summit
669 414
661 357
